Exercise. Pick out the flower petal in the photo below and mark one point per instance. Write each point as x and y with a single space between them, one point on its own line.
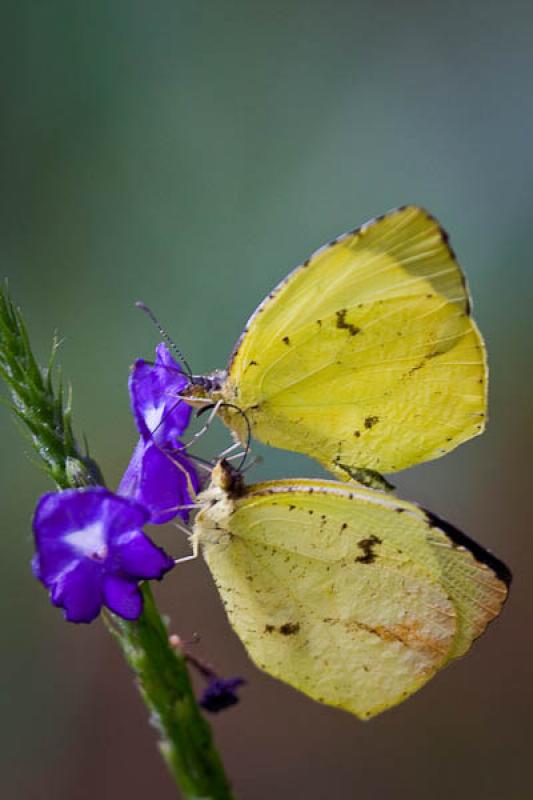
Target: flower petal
123 597
220 694
75 534
158 479
136 555
78 591
154 393
61 514
58 515
129 484
36 566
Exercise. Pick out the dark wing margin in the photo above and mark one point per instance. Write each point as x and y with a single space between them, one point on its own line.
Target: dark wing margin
460 539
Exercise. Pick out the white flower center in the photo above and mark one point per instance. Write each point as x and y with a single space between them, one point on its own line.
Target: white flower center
153 417
89 542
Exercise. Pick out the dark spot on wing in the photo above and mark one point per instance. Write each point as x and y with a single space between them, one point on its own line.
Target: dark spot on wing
252 364
367 546
289 628
319 323
286 340
399 510
371 421
341 322
357 434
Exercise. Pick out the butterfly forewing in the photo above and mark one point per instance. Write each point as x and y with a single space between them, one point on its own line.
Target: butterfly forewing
366 356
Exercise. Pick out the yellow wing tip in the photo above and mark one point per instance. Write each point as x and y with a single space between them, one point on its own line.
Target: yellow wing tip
419 211
405 210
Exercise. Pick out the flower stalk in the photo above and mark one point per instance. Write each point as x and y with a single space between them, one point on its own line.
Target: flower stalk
44 408
162 676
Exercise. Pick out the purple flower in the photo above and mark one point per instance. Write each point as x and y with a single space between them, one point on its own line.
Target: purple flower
159 476
154 392
157 479
92 552
220 693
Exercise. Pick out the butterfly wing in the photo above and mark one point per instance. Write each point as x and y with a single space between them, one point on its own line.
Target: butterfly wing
349 595
366 356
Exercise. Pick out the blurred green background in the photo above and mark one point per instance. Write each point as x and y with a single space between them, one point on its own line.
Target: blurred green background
190 154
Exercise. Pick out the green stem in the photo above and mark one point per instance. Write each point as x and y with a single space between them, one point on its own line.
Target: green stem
186 741
162 675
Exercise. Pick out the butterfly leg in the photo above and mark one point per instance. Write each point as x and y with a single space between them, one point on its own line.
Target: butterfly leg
228 450
205 428
190 488
193 541
237 455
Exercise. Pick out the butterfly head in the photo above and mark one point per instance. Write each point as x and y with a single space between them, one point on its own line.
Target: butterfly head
227 478
203 389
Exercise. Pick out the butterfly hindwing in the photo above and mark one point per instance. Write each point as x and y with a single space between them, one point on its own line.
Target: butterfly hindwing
354 597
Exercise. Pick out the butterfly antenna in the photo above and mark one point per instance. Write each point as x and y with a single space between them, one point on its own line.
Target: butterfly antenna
147 310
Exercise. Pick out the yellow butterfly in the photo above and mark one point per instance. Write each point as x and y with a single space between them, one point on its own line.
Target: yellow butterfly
365 357
350 595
